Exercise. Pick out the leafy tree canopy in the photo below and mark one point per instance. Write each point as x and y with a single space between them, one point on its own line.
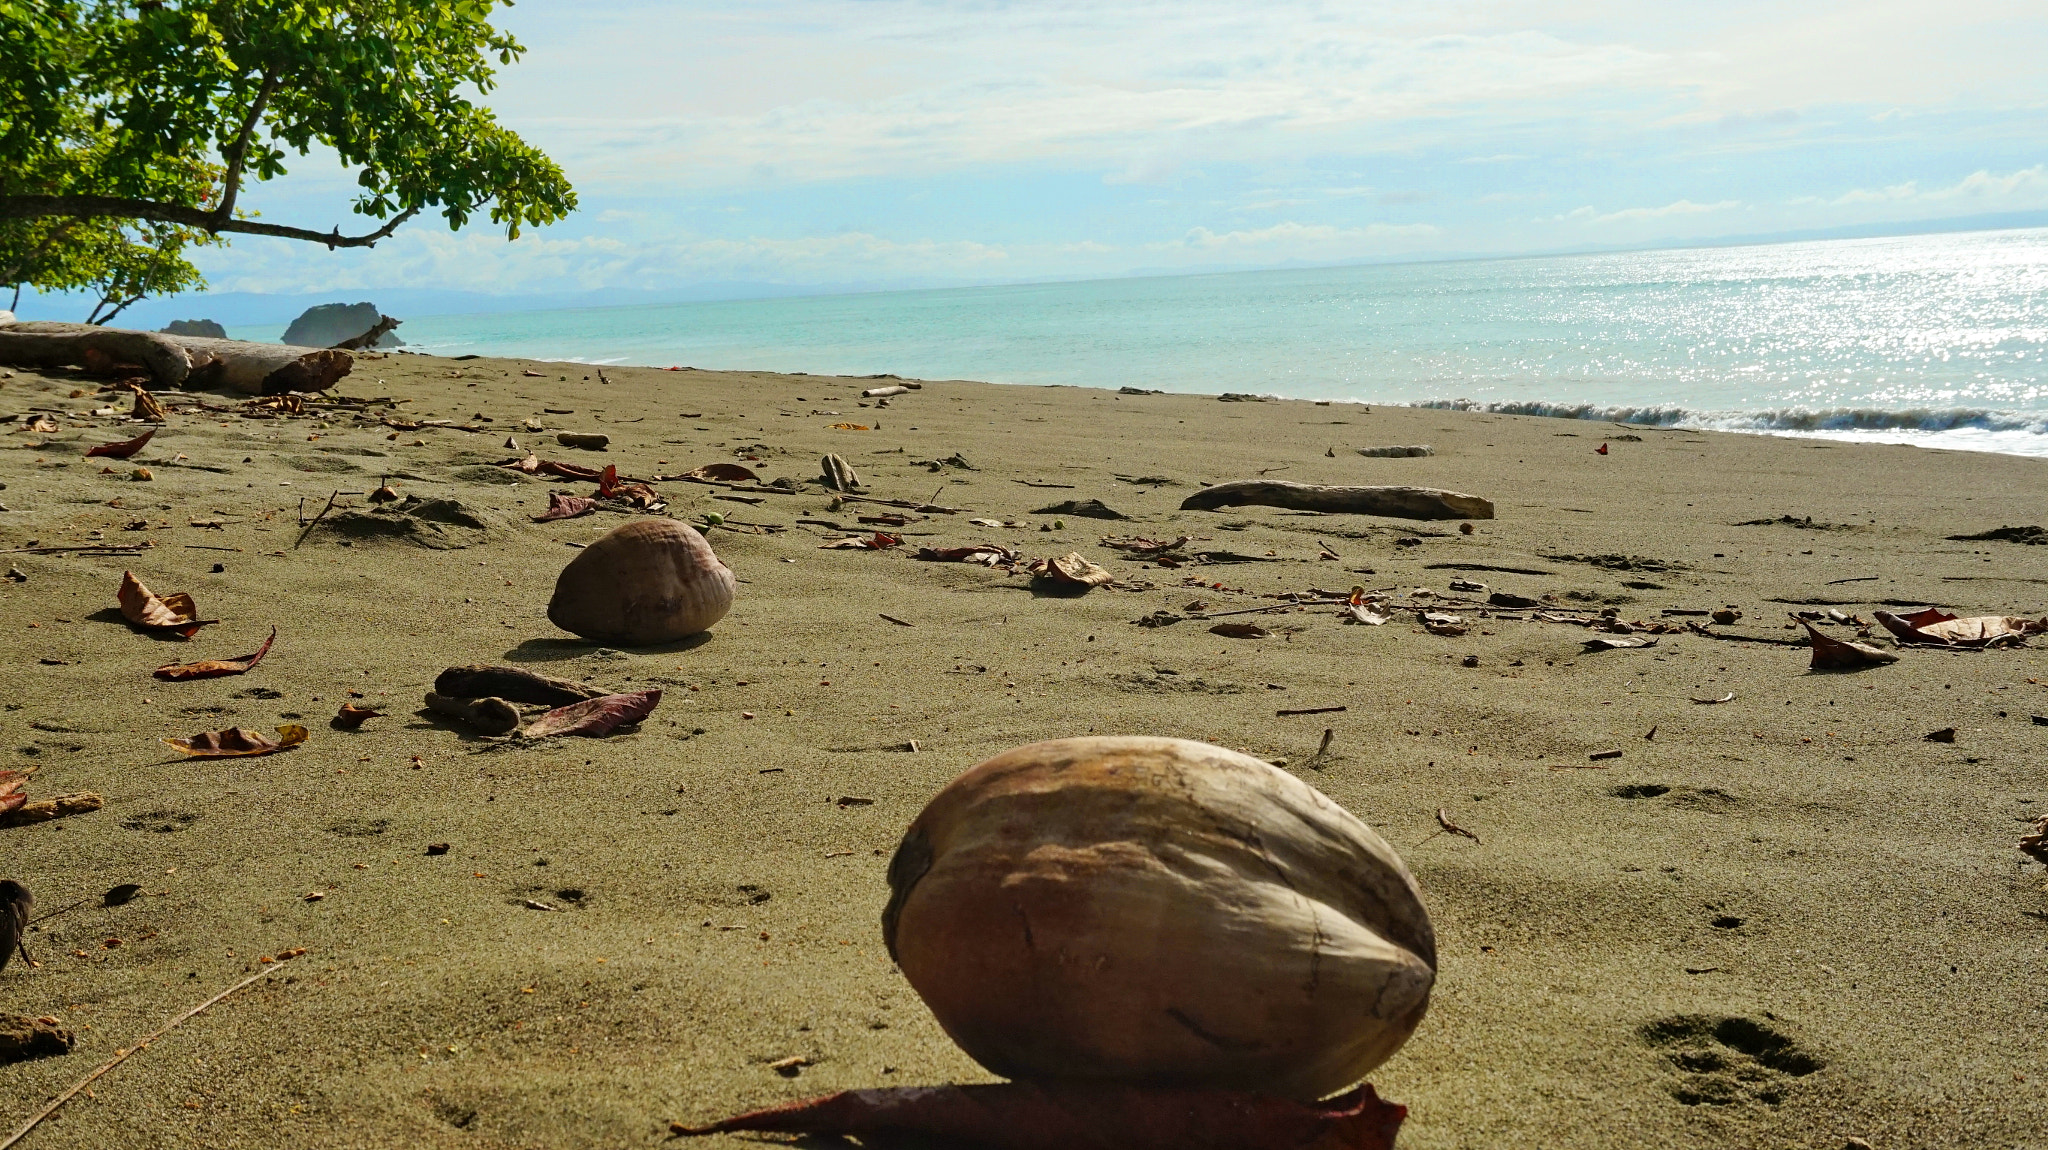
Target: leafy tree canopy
128 129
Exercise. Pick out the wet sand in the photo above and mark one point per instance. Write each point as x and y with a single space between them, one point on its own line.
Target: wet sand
1785 920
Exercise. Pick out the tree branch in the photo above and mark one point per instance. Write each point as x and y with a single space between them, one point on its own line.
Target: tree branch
30 207
231 179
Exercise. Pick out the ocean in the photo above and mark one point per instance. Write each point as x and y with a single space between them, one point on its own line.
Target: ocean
1936 340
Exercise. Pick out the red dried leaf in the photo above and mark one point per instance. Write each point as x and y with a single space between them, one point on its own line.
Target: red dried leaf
13 790
1833 654
123 449
145 609
215 668
595 718
351 716
720 473
562 506
1937 628
1082 1116
238 741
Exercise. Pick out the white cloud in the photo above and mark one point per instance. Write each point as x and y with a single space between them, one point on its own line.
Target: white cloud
2025 188
1296 241
1591 215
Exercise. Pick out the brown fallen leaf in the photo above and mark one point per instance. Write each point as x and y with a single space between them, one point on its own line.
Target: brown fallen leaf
1937 628
42 425
881 541
633 492
2036 844
514 683
1240 631
720 473
147 406
1833 654
595 718
13 790
986 554
123 449
561 506
215 668
1142 545
238 741
1084 1116
1072 570
350 717
143 608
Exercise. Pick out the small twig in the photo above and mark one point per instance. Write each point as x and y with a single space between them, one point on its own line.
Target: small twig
123 1054
1310 711
1857 579
1443 820
58 911
308 530
1326 547
1244 611
1315 761
208 547
895 620
102 549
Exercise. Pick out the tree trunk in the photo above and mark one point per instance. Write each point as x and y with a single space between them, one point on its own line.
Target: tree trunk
176 360
1393 502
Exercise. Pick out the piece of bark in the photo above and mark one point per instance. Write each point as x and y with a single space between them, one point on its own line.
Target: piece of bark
1082 1116
1398 451
489 715
1392 502
43 810
511 683
23 1038
839 474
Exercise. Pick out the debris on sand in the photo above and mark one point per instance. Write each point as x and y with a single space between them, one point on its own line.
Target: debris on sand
169 613
1240 631
23 1038
352 717
2032 536
1835 655
1070 570
216 668
595 718
879 541
123 449
2035 844
1934 627
490 715
1084 508
986 554
1392 502
511 683
564 506
235 742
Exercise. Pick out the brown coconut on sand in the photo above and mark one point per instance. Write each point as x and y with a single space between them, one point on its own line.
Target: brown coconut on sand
1783 921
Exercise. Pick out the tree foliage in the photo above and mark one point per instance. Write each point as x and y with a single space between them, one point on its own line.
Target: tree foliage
151 118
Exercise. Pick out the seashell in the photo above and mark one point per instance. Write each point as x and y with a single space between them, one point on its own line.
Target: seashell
1162 912
649 581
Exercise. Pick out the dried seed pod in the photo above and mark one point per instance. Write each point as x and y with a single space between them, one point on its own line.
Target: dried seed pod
1158 911
649 581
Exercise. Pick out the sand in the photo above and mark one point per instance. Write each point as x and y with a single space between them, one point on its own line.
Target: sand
1784 921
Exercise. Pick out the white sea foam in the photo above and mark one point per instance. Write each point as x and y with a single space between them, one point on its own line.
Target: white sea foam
1962 428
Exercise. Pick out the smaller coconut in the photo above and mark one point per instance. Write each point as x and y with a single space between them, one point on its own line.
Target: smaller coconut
649 581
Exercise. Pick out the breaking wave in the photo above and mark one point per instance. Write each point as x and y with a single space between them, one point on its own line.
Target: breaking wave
1784 420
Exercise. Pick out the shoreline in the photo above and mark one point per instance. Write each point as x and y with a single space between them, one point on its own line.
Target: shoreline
1800 863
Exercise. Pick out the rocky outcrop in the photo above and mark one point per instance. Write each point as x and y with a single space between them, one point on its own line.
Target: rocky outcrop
330 323
205 328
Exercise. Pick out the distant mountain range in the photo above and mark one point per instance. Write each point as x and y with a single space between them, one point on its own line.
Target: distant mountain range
250 309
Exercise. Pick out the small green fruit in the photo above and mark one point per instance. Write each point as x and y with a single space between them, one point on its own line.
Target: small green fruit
713 518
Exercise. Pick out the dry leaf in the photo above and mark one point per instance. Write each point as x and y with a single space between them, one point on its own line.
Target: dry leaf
562 506
1141 545
1618 643
851 427
986 554
123 449
215 668
143 608
1082 1115
595 717
351 716
147 407
2035 844
238 741
1833 654
13 790
1365 613
1240 631
1937 628
1071 569
720 473
42 425
881 541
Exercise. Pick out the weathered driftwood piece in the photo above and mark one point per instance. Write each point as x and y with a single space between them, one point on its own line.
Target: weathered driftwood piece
176 360
1398 451
513 683
43 810
839 474
885 392
22 345
490 716
1393 502
369 338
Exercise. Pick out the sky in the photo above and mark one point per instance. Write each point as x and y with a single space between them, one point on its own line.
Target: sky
886 143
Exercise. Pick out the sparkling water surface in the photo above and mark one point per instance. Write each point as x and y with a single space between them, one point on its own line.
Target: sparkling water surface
1937 340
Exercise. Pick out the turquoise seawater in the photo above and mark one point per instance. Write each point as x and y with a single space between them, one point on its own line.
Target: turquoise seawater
1936 339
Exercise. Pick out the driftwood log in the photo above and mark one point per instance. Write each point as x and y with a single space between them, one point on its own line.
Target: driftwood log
175 361
1393 502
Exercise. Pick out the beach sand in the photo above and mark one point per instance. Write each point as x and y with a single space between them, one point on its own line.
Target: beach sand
1784 921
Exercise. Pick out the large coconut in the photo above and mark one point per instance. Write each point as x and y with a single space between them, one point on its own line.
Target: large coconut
648 581
1158 911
